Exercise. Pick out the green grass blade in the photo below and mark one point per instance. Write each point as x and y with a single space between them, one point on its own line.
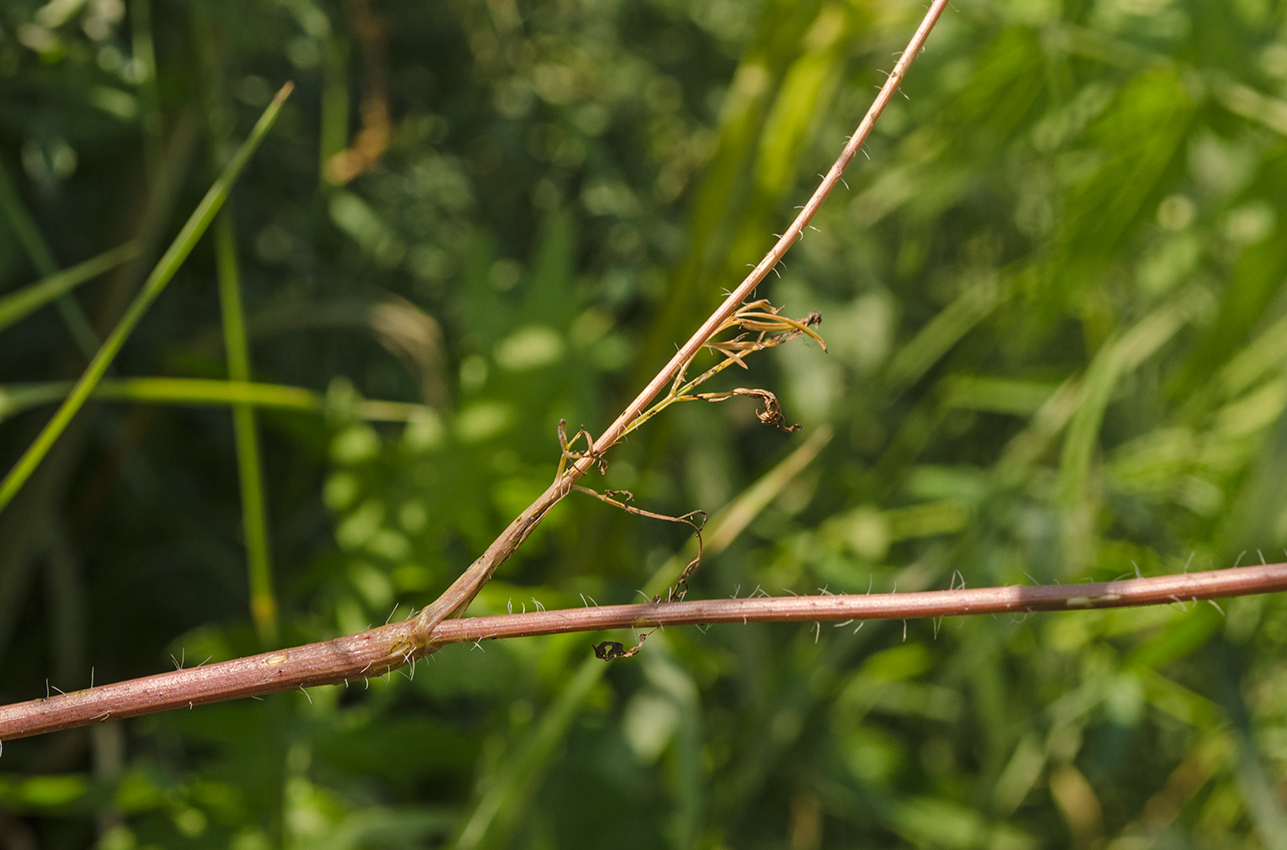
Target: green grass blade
152 287
254 513
507 799
1117 358
16 306
199 392
24 227
945 330
42 258
143 47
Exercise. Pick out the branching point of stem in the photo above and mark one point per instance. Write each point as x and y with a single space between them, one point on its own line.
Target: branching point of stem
381 650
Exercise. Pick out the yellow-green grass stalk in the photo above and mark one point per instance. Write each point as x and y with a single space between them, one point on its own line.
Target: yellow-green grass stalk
200 392
254 512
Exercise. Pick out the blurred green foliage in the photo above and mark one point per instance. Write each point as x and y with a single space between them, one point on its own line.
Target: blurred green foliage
1057 325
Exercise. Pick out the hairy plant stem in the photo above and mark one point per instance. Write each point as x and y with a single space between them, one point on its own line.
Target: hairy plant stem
379 651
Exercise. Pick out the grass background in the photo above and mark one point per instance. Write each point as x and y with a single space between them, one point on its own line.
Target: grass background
1057 325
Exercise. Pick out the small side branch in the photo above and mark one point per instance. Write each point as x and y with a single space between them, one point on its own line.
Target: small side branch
608 649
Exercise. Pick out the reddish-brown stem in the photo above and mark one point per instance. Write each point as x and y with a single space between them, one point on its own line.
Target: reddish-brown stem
743 291
932 604
374 652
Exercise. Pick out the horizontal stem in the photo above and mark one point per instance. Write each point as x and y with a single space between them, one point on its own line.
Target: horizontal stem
932 604
379 651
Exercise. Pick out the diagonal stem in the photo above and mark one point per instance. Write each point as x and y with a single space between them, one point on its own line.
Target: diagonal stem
457 597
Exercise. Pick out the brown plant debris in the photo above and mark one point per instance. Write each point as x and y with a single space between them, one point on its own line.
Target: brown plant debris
769 328
370 32
770 411
571 454
609 650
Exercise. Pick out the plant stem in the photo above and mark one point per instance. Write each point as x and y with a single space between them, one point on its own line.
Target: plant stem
457 597
379 651
932 604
